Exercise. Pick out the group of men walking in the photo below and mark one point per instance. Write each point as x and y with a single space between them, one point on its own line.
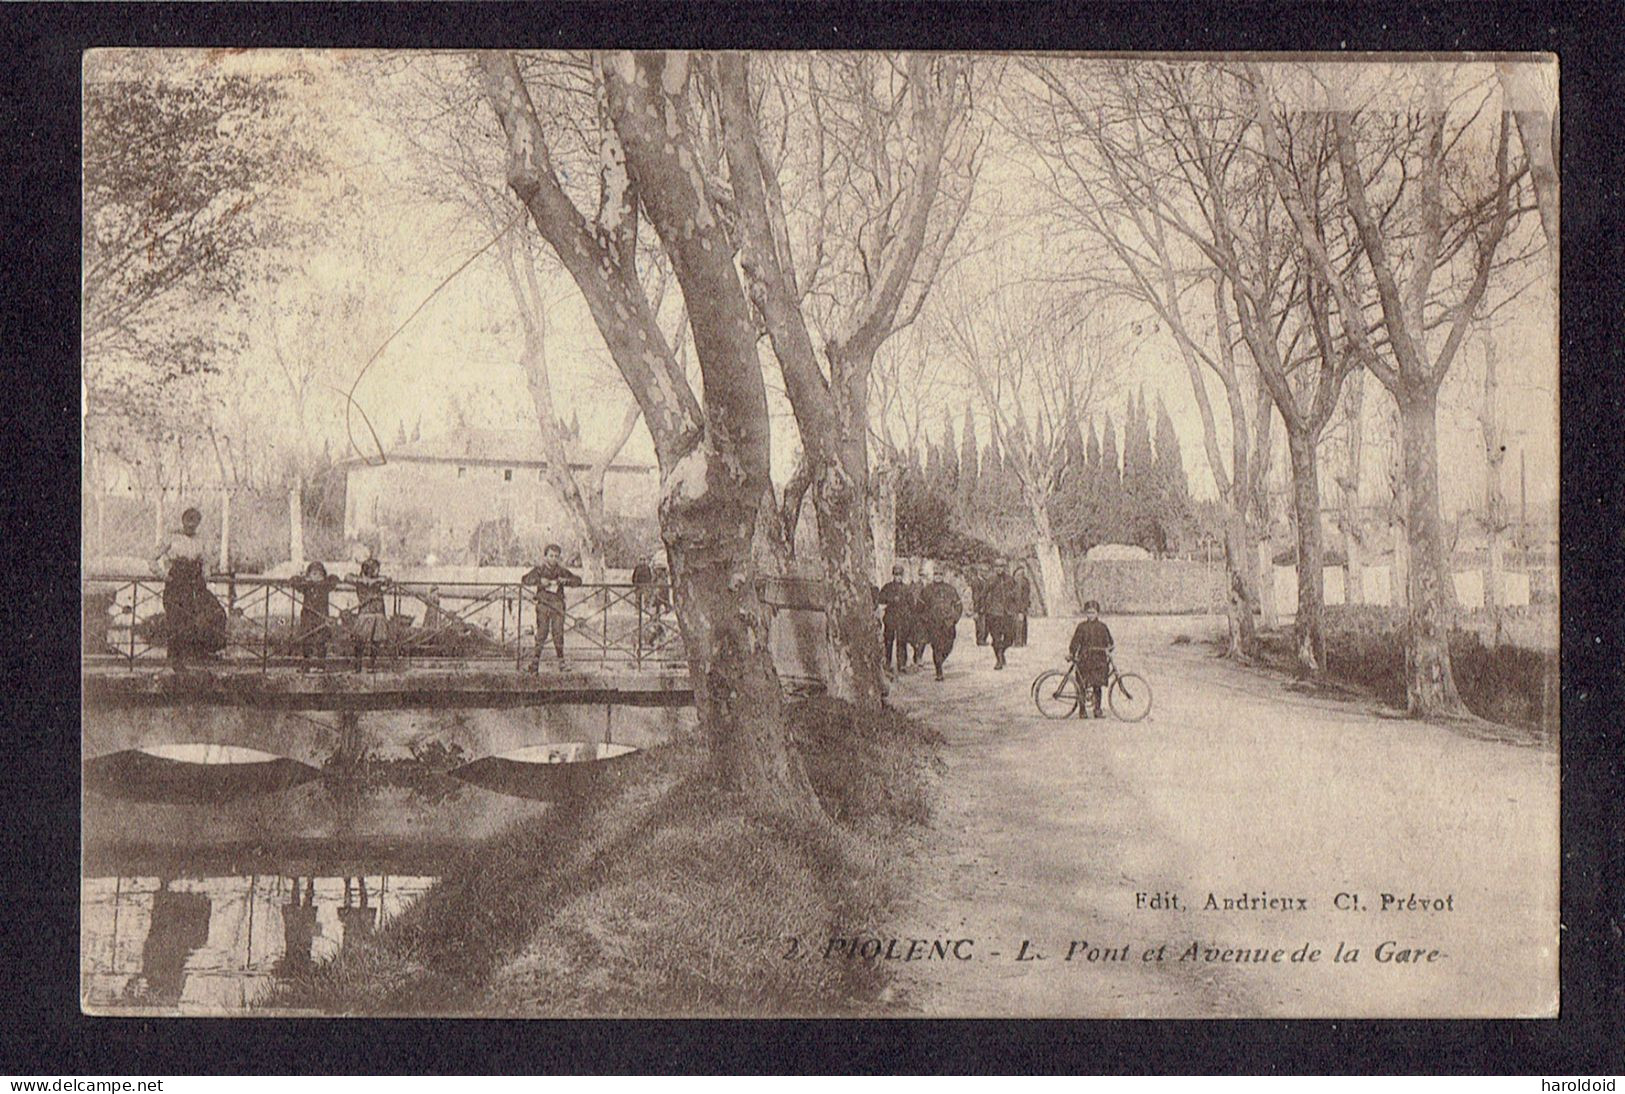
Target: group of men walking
926 613
1001 597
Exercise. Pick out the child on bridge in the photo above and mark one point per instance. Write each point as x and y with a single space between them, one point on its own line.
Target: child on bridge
550 579
371 627
313 589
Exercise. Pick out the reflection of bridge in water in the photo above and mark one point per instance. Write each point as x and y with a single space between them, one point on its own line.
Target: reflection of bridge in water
219 943
201 902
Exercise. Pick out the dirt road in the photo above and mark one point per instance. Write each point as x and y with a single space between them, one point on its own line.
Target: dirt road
1063 835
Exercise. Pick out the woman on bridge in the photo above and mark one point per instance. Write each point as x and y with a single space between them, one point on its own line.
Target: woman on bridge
194 622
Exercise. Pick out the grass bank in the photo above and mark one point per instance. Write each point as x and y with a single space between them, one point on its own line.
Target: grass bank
1365 647
658 895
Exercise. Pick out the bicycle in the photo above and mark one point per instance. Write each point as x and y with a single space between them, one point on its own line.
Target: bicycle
1056 693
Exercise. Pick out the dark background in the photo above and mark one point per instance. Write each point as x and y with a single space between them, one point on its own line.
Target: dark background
43 1034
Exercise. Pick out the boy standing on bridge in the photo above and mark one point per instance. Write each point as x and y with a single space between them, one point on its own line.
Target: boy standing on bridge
550 579
314 589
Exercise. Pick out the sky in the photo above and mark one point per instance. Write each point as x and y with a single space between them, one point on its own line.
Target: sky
460 351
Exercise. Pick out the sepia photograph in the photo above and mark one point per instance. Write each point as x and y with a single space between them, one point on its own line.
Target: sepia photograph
819 534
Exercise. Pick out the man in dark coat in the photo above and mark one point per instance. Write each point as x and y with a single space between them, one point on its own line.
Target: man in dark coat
939 610
897 598
1091 653
1024 604
643 583
550 579
1002 601
979 580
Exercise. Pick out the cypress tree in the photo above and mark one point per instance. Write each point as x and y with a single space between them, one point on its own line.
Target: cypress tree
1170 462
969 469
1138 460
1110 472
1075 456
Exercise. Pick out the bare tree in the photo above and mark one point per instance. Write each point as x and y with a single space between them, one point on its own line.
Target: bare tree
1348 489
442 120
712 448
1531 102
1454 224
1034 371
898 248
908 383
582 492
1277 297
1103 181
1494 519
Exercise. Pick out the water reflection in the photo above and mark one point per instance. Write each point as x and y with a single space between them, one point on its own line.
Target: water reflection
552 772
199 904
211 870
193 772
218 944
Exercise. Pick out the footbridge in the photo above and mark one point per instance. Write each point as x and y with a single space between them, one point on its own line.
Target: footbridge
457 675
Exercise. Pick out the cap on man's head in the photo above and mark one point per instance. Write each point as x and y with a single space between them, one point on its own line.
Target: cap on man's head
552 549
1091 605
897 569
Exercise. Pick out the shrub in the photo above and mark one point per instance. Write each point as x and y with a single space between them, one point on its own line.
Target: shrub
1509 684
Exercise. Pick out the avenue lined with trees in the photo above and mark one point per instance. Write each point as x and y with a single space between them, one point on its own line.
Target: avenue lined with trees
917 294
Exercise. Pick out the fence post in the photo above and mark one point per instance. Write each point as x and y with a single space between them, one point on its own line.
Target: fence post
135 597
296 524
225 528
603 653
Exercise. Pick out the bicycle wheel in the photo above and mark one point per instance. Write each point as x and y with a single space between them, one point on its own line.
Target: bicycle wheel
1130 697
1056 694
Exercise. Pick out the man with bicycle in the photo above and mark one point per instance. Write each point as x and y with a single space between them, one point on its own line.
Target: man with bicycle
1091 658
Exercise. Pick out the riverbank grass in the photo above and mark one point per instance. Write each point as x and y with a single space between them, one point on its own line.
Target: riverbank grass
655 894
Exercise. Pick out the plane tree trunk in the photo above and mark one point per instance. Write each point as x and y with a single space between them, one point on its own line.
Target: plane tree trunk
1348 486
1409 366
1430 679
1308 631
832 411
1494 501
713 455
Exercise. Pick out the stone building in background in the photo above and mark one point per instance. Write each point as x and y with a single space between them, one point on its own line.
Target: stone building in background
477 495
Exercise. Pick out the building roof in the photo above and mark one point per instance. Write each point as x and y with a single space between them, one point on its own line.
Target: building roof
508 447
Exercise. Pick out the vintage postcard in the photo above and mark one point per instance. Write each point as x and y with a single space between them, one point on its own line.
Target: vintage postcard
819 534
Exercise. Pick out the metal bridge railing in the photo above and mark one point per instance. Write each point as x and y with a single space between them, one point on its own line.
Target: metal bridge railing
445 622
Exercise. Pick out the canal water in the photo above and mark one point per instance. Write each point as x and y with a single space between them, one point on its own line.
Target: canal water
211 871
